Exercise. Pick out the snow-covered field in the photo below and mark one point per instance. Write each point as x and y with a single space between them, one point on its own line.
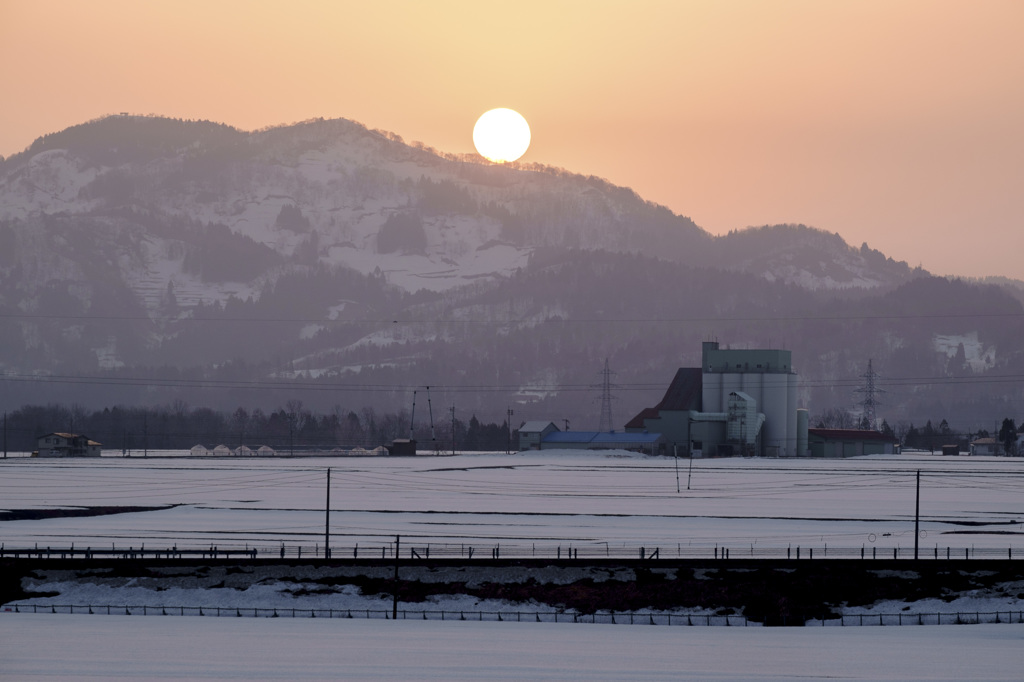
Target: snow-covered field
596 502
48 647
600 503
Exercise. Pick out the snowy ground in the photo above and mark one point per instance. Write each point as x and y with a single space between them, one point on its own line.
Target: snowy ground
534 502
540 501
56 647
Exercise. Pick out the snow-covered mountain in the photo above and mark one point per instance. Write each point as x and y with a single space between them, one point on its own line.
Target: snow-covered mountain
325 251
336 193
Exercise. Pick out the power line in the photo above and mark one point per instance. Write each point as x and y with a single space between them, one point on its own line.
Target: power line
456 320
324 385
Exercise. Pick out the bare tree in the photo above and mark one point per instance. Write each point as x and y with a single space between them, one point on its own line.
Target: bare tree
835 418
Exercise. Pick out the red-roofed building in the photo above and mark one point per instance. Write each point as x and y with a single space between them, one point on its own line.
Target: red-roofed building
849 443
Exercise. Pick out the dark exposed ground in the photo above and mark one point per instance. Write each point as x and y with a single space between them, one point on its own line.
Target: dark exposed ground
771 592
36 514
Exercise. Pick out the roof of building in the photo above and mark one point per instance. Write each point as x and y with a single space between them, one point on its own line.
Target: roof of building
536 426
71 437
600 437
683 394
851 434
637 422
619 437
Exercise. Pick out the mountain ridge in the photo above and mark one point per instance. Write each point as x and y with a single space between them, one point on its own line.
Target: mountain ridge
326 251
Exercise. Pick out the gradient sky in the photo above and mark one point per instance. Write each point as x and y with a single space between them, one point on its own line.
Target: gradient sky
896 123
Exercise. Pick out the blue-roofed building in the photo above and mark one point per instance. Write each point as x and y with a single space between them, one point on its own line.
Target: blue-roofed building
553 439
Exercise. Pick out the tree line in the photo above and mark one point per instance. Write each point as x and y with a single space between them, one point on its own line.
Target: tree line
289 428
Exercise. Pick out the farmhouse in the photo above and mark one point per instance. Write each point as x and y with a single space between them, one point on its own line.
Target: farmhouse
66 445
985 447
532 434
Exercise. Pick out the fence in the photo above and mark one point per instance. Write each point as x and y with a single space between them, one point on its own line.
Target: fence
565 552
609 618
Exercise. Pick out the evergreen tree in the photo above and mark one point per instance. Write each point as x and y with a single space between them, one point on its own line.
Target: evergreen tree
1008 436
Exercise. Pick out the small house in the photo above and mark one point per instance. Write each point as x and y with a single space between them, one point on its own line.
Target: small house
67 445
400 447
985 447
532 434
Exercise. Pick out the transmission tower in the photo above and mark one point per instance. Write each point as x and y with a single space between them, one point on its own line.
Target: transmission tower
606 423
870 392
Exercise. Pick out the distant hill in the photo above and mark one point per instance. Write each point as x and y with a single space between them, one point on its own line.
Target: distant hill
189 260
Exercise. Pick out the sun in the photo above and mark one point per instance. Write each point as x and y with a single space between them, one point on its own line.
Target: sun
501 135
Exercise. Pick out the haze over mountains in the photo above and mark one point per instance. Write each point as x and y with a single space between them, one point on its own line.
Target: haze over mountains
146 260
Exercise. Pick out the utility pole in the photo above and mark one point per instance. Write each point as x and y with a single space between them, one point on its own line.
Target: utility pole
412 417
433 435
5 435
453 430
327 518
689 474
917 514
675 455
508 447
394 591
145 434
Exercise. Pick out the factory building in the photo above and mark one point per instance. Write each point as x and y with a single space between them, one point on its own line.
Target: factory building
740 402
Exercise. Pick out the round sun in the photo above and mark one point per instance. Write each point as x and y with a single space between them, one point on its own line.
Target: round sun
501 135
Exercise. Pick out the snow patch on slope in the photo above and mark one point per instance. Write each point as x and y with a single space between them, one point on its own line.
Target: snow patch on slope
979 356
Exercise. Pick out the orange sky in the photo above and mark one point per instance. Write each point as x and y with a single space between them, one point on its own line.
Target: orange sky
895 123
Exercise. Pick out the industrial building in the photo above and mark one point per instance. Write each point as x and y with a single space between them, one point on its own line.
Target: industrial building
739 402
